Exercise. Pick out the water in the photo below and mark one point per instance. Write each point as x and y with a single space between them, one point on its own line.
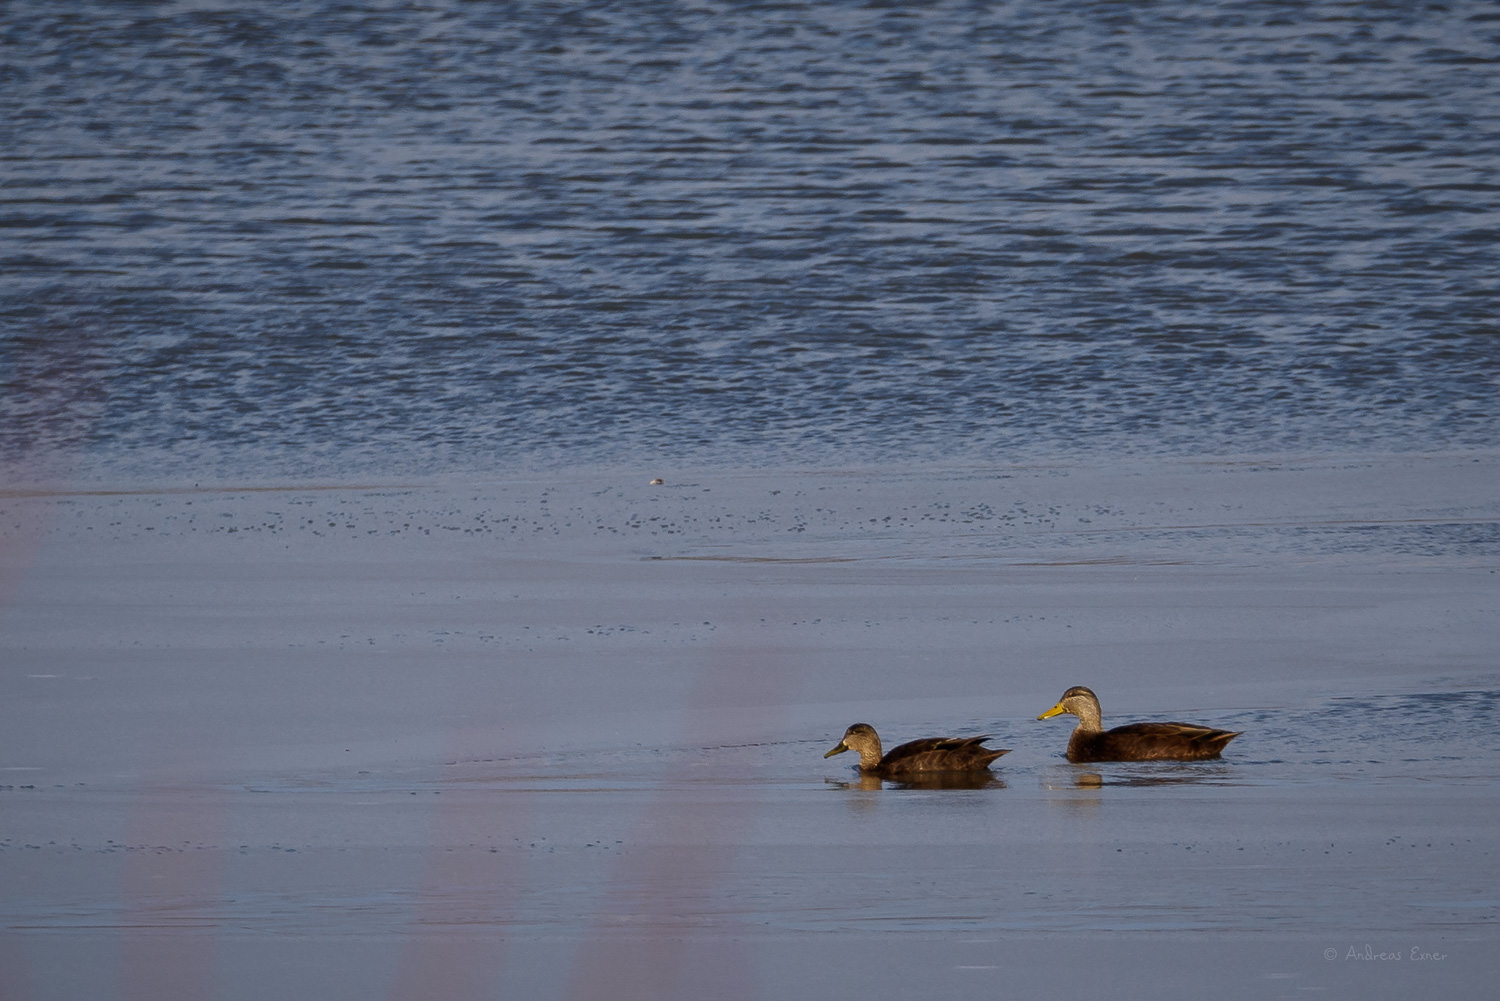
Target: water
314 239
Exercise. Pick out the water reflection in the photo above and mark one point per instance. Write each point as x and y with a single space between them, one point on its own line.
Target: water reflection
953 780
867 782
1069 777
937 780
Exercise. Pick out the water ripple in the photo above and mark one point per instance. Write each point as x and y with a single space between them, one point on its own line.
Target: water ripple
330 238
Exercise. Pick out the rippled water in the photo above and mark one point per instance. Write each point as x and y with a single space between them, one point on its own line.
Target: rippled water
325 237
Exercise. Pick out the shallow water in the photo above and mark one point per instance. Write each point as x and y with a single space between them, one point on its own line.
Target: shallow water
562 737
313 239
629 869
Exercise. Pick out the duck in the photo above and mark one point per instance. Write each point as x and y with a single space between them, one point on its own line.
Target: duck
1133 741
917 757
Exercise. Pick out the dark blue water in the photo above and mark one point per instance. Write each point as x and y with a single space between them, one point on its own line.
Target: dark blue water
332 238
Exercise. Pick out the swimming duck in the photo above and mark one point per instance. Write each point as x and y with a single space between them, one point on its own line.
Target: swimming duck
1134 741
930 754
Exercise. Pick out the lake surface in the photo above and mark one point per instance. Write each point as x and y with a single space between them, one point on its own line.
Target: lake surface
311 239
348 651
562 737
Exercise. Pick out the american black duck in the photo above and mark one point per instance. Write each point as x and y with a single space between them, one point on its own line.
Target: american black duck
919 757
1133 741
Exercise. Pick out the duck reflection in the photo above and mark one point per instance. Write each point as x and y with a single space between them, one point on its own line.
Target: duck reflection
950 780
935 780
1065 777
866 782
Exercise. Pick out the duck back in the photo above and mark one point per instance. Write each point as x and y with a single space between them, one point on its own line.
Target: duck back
1150 742
939 754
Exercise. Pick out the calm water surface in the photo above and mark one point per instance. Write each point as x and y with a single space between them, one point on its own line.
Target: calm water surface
327 238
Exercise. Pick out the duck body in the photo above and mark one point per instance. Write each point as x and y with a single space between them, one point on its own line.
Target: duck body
1149 742
927 756
1134 741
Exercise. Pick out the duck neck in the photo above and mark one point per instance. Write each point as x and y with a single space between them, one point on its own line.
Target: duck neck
1089 719
869 755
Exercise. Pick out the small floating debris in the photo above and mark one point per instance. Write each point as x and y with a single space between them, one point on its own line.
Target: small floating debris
658 482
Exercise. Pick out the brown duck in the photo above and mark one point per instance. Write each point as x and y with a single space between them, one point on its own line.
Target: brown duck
1134 741
919 757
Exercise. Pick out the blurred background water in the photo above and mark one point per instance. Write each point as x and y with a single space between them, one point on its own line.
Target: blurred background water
327 239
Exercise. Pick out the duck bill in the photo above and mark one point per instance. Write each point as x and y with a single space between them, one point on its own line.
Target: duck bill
837 750
1056 710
